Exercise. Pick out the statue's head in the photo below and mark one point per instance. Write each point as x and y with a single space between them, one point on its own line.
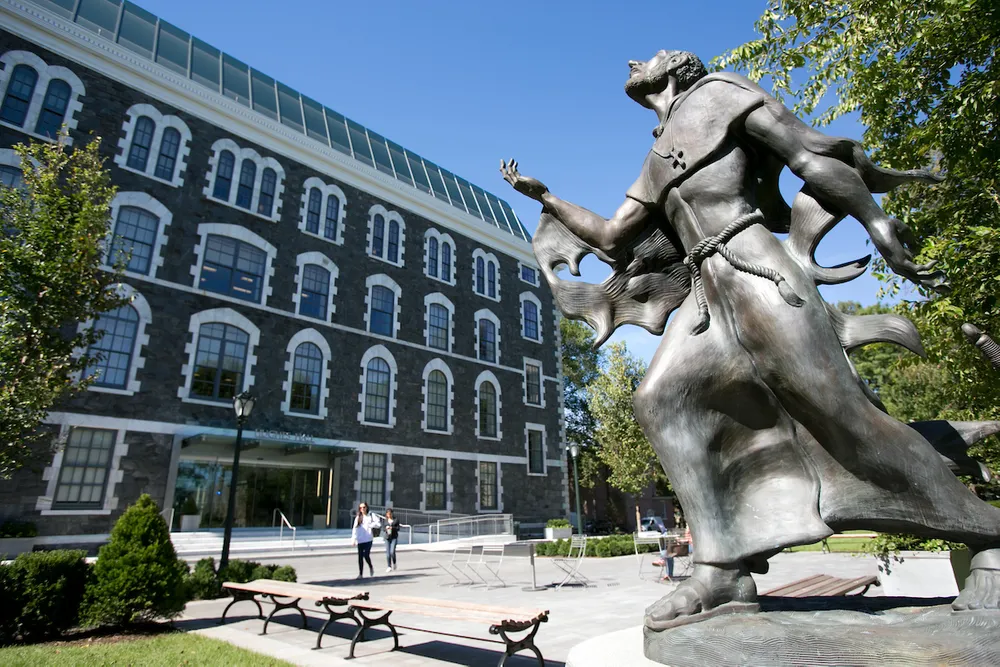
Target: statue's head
652 76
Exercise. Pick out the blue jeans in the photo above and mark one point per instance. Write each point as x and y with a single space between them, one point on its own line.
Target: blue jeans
390 552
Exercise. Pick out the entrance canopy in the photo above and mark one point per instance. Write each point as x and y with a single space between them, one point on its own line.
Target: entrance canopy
263 448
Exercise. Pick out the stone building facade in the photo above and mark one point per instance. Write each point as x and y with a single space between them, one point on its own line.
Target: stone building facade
387 315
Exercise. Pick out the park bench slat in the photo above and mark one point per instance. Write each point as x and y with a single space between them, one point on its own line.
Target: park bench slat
435 612
517 612
822 585
844 586
795 585
293 589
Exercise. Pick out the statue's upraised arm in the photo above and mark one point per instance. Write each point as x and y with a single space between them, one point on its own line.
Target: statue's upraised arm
608 235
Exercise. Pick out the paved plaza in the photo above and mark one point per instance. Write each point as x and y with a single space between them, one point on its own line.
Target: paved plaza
615 601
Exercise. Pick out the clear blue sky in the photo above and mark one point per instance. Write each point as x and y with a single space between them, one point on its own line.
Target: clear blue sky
467 83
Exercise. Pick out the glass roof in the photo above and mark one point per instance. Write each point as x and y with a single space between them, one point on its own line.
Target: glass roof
145 34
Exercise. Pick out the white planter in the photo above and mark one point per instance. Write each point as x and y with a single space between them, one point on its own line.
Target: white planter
558 533
11 547
319 522
190 522
920 574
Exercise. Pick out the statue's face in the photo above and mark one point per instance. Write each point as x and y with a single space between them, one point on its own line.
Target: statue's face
651 77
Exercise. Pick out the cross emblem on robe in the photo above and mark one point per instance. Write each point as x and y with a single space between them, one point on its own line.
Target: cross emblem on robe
678 158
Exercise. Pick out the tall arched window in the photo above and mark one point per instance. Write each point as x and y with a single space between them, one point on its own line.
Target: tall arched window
268 182
18 98
220 361
530 320
480 275
134 238
306 379
166 161
224 176
378 235
432 257
332 217
50 118
438 326
487 340
233 267
111 356
313 209
244 190
383 311
378 376
487 410
142 141
392 249
437 401
491 279
446 261
315 295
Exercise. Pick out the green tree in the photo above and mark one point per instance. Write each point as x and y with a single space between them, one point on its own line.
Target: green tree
51 244
923 76
581 365
624 448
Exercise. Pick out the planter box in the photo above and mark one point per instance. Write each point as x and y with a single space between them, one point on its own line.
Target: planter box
558 533
13 546
190 522
921 574
319 522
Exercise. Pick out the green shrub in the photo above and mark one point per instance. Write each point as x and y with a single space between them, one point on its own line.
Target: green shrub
597 547
201 583
557 523
50 587
138 576
18 529
189 506
205 583
284 573
886 547
10 594
239 571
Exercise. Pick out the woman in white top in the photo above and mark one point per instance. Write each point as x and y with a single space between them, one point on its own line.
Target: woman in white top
364 523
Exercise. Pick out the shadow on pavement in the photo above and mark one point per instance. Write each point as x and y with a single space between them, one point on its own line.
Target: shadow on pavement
457 654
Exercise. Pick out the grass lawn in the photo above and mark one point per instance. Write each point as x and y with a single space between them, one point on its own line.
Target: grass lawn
838 545
168 650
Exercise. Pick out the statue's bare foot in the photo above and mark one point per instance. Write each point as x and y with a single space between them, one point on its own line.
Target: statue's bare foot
982 587
711 591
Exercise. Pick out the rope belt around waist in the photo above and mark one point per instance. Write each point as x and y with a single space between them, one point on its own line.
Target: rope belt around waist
717 244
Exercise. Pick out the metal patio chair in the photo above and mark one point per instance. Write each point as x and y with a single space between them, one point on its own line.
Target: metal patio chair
457 566
570 564
490 560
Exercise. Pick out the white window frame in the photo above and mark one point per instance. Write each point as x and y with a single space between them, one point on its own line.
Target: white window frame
387 215
441 239
449 490
241 154
479 499
487 314
438 365
325 262
390 469
134 113
530 296
371 353
9 157
315 337
46 73
239 233
50 475
147 203
483 377
442 300
222 316
384 281
137 301
326 189
528 426
487 258
534 268
528 361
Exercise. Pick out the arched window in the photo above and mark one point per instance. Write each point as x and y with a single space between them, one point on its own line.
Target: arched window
111 356
438 326
315 291
383 311
166 161
480 275
220 361
18 98
268 182
307 375
530 320
446 261
50 119
377 379
332 217
487 340
432 257
233 267
437 401
378 235
313 210
134 238
244 190
11 176
142 141
392 250
487 410
224 176
491 279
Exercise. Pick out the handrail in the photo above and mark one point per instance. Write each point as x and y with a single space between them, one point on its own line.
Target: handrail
506 520
169 519
281 527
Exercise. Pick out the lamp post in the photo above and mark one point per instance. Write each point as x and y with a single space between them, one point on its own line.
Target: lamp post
574 451
242 406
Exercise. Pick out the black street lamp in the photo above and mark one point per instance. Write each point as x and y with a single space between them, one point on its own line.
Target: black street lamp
574 451
243 406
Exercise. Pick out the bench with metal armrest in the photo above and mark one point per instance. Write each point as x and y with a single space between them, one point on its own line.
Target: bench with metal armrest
824 585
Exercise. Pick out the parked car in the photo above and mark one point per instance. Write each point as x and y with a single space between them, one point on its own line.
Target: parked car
652 523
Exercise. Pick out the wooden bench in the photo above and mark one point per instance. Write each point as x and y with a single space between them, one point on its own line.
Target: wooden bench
824 585
326 596
501 620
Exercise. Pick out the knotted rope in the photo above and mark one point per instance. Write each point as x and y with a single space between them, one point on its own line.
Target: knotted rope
717 244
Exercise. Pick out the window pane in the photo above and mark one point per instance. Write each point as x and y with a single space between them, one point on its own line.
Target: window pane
529 275
84 470
268 182
446 262
60 7
315 124
224 176
172 48
383 310
332 217
205 64
435 479
432 257
313 209
338 132
399 163
378 236
487 410
417 170
142 140
498 213
306 379
18 97
101 16
137 30
437 183
437 401
134 238
359 142
536 452
480 275
264 95
437 326
470 201
235 80
219 361
491 279
392 247
373 479
483 205
453 190
378 376
315 295
11 176
530 320
380 152
248 176
234 268
50 119
291 112
167 159
112 354
533 384
517 227
488 485
487 340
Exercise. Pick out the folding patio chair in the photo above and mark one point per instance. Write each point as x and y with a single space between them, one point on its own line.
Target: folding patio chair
570 564
648 537
490 560
679 548
457 566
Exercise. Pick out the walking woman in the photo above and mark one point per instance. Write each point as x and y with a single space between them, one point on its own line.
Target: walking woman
391 534
365 524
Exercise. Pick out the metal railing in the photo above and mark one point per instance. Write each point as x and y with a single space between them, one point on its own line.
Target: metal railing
281 526
458 528
412 516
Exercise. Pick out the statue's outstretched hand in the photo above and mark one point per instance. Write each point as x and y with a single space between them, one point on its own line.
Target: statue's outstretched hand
897 243
530 187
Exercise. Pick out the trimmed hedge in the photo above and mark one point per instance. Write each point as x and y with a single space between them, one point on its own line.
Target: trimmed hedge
558 523
597 547
41 594
205 582
18 529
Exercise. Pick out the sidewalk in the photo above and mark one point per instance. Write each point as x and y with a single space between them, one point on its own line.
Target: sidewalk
615 602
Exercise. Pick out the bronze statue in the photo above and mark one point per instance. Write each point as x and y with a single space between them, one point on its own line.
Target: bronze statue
760 420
